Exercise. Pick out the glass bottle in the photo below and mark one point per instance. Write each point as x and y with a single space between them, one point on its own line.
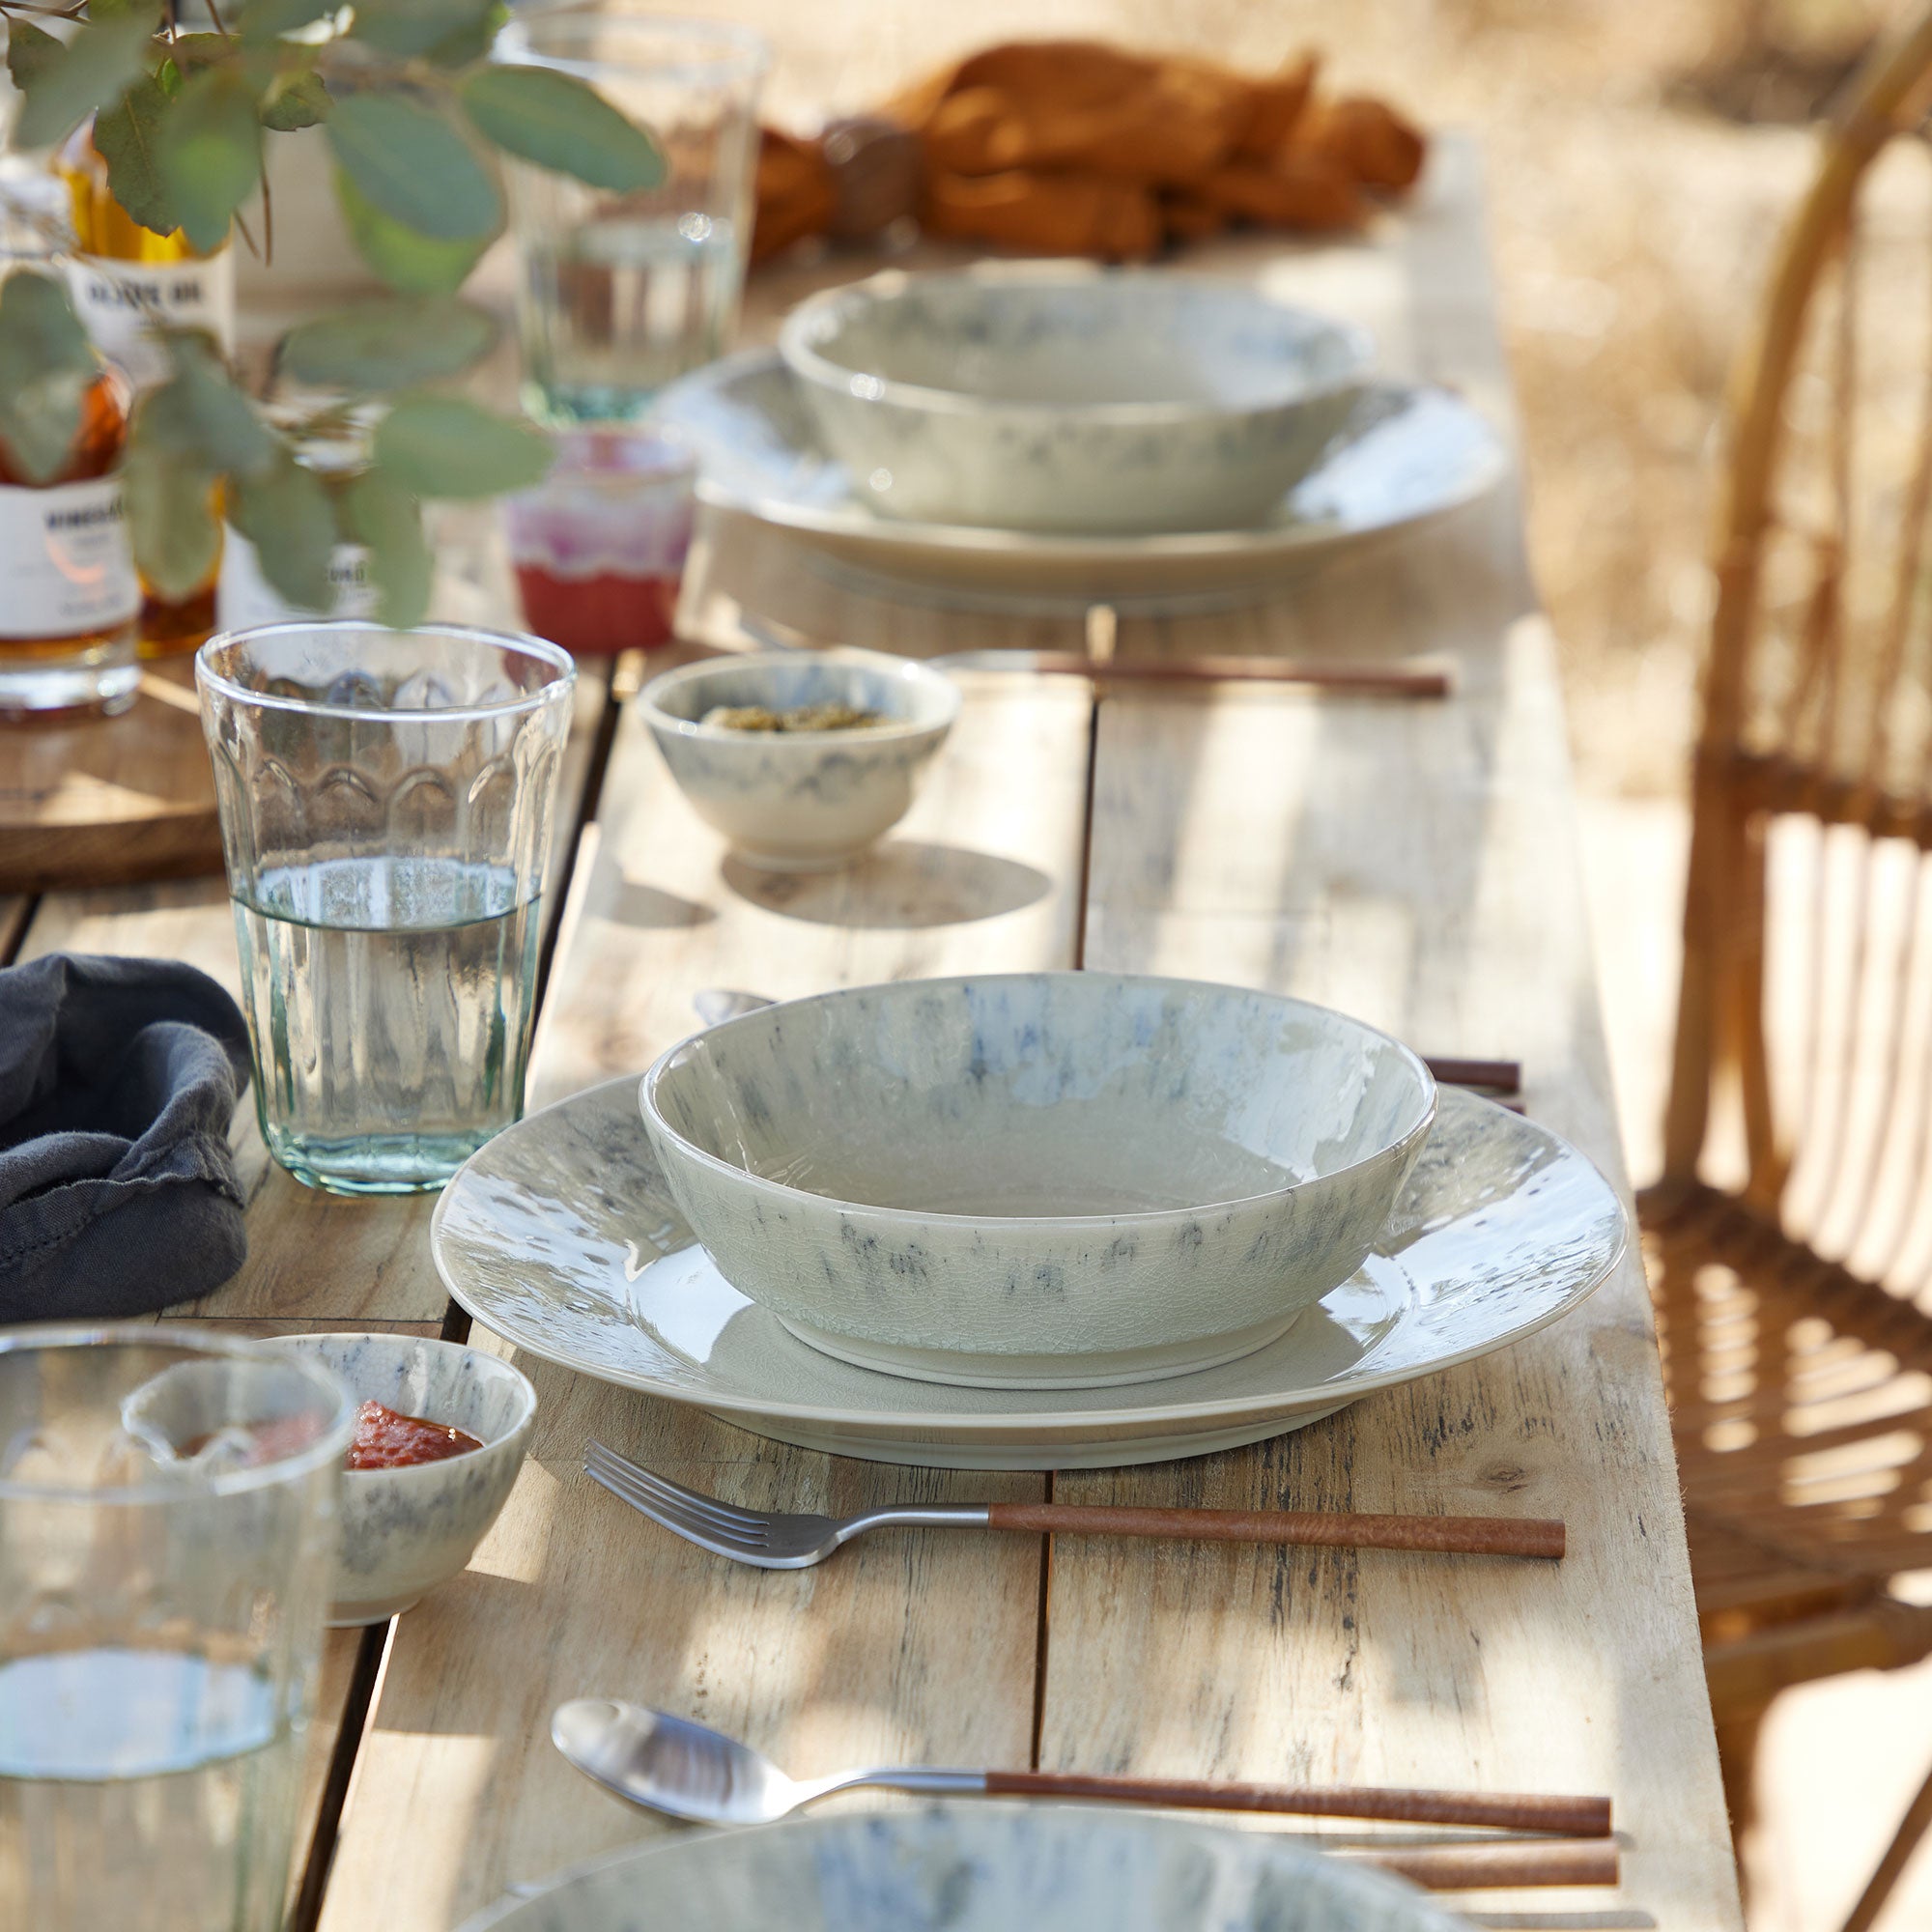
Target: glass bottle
68 616
124 277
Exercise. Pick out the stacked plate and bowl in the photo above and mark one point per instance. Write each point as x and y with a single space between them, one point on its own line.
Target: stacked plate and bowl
1058 432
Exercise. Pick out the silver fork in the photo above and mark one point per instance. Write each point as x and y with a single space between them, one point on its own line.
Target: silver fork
766 1540
783 1540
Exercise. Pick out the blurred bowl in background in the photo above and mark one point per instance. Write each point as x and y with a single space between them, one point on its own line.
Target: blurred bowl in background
1066 397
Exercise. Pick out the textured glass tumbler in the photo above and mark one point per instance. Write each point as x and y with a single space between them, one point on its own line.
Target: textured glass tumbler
387 802
167 1547
619 293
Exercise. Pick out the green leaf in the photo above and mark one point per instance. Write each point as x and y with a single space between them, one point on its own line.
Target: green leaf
390 343
128 136
200 419
47 368
287 515
193 52
211 154
90 71
447 446
31 51
469 44
171 519
415 26
388 521
296 101
269 19
561 122
413 165
403 258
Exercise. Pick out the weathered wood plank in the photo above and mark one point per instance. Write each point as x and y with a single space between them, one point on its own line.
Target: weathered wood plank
1414 865
908 1648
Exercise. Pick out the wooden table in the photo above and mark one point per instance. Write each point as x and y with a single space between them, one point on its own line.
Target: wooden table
1413 861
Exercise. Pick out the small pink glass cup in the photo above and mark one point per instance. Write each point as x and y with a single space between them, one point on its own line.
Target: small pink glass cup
599 545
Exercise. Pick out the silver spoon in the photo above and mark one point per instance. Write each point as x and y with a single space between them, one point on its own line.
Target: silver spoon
689 1771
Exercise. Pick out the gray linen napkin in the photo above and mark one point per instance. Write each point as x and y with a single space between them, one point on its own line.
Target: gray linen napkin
118 1079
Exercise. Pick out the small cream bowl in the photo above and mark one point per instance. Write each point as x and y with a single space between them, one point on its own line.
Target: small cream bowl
406 1530
801 801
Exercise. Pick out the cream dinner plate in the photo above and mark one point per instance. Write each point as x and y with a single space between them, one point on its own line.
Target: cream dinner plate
1416 453
560 1237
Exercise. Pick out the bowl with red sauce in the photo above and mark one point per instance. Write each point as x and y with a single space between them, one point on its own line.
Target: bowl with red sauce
441 1431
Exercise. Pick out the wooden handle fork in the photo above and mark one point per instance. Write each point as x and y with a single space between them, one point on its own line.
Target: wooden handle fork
1448 1535
1508 1811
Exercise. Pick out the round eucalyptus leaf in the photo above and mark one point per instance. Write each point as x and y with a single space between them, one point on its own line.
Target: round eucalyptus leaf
414 165
403 258
448 446
210 149
288 517
47 368
64 86
128 136
388 521
172 522
558 121
390 343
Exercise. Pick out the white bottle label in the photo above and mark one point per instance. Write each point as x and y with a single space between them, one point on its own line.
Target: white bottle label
247 597
66 567
118 300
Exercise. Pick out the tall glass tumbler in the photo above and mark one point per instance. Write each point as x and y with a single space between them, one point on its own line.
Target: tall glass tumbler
619 293
167 1544
388 799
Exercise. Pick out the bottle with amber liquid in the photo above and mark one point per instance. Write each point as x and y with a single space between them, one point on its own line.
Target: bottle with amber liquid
124 277
71 598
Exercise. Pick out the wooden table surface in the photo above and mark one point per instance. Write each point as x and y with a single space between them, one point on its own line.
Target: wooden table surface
1413 861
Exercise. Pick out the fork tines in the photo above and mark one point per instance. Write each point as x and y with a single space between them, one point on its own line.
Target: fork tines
716 1526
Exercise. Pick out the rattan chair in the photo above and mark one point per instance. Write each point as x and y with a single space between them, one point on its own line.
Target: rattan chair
1790 1239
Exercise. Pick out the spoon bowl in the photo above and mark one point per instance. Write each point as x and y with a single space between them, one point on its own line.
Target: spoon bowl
687 1770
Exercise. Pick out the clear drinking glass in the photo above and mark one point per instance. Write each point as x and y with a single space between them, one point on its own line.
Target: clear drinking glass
621 293
387 802
167 1545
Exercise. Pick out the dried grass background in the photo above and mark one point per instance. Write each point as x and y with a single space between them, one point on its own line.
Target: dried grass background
1641 155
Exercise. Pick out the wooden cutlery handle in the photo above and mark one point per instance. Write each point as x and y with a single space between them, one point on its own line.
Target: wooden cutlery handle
1371 680
1479 1867
1454 1535
1494 1076
1510 1811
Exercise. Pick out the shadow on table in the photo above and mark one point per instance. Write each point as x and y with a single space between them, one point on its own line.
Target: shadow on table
907 882
633 904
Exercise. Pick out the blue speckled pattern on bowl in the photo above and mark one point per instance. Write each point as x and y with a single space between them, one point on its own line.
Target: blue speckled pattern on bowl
984 1867
1066 397
801 801
403 1531
1050 1180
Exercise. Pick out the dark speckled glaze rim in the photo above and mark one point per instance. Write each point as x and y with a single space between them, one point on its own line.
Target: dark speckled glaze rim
1397 1151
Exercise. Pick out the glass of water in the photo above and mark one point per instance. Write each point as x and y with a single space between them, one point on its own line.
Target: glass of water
387 802
167 1547
621 293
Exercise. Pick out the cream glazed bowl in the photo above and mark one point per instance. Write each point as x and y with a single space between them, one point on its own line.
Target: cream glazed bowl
406 1530
1038 1180
801 801
1062 396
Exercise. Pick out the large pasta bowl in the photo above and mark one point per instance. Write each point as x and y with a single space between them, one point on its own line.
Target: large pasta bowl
1040 1179
1064 397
